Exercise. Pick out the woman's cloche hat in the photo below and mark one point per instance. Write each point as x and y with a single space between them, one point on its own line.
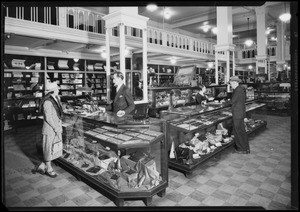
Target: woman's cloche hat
51 86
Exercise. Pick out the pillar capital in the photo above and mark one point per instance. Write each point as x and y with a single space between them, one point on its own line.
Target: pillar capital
260 10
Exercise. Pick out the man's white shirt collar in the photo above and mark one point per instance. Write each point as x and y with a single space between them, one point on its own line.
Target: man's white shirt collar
119 86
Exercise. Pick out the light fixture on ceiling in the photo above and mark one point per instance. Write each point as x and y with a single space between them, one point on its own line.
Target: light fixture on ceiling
76 60
250 67
167 14
205 28
173 60
249 41
215 30
151 7
210 65
285 16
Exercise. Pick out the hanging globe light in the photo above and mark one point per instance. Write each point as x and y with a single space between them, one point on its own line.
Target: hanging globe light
285 17
249 42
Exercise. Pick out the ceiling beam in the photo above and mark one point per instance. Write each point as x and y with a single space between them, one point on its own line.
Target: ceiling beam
206 17
76 46
194 21
40 44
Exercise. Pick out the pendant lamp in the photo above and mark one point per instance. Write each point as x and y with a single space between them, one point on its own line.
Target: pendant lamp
286 16
249 41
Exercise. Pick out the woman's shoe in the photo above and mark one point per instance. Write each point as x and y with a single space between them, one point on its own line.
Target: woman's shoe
38 169
51 174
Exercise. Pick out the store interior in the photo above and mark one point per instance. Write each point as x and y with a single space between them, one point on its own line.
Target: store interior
169 151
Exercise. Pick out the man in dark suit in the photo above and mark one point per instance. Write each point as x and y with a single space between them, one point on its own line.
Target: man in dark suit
123 102
238 106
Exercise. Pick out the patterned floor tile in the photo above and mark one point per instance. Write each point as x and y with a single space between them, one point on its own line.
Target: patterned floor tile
58 200
221 195
260 200
206 189
175 196
197 195
187 201
213 201
82 199
236 200
33 201
185 190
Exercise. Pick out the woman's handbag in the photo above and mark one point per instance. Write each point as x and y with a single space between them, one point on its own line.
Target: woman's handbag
57 148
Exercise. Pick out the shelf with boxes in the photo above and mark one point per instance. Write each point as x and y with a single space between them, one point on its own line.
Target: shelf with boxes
196 134
68 74
96 79
120 160
23 88
161 75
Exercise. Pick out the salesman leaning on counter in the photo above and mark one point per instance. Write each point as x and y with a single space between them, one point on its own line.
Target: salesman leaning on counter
123 102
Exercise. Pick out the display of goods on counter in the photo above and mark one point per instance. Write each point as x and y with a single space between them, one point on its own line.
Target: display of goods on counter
132 171
189 151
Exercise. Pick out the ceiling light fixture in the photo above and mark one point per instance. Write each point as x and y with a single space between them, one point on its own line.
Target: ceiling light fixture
249 41
285 16
250 67
210 64
173 60
205 28
167 14
76 60
151 7
215 30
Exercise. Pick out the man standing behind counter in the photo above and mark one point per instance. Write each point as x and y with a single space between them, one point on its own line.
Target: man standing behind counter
238 106
123 102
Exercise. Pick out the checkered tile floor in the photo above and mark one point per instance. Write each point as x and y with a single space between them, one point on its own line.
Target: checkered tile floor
262 178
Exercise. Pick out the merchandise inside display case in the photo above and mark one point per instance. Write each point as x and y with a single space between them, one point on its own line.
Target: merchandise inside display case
159 97
197 133
117 155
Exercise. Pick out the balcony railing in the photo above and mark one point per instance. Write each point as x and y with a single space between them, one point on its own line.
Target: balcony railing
252 53
86 20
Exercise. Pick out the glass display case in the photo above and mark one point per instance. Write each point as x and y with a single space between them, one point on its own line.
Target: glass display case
197 133
119 156
159 97
276 96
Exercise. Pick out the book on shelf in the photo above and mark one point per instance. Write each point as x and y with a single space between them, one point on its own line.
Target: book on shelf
7 75
98 67
63 64
50 65
90 68
17 63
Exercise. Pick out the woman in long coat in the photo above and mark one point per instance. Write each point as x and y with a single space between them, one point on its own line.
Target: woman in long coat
52 128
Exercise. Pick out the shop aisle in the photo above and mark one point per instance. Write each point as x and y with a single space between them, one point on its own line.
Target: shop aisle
262 178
